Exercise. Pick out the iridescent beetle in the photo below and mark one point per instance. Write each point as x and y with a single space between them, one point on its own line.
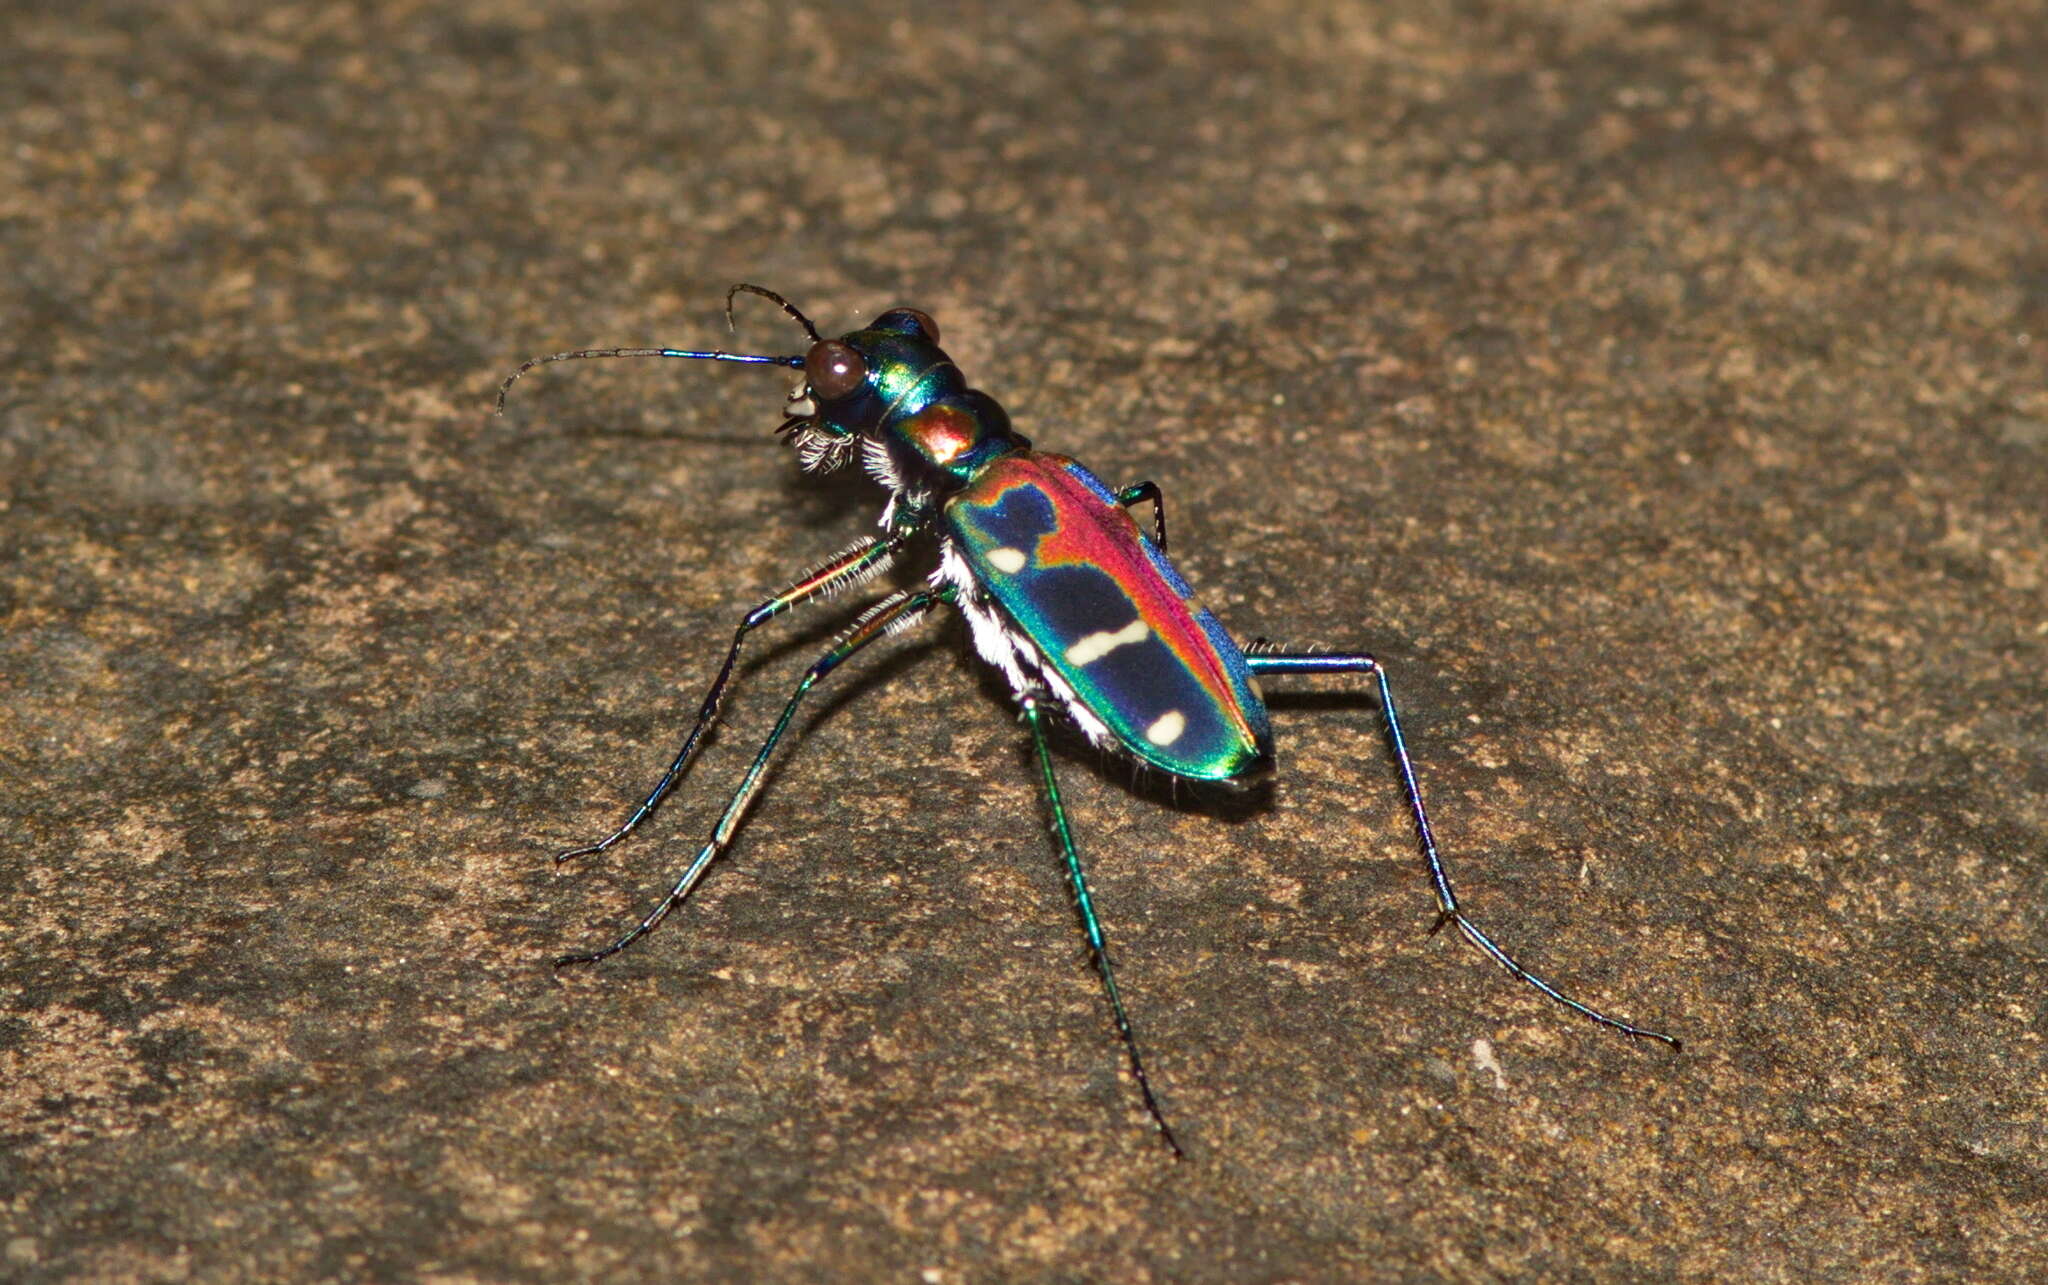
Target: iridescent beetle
1061 591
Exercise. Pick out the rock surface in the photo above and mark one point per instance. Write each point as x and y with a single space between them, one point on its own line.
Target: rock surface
1658 390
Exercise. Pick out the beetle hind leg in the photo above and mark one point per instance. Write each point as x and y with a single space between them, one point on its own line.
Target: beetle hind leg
1264 658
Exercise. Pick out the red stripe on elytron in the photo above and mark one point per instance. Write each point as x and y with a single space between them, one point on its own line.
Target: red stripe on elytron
1089 531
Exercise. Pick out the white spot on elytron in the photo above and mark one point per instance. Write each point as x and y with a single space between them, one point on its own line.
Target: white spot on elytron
1007 560
1168 729
1096 646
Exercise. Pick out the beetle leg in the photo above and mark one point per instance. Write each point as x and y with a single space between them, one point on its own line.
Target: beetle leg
898 611
1097 946
865 558
1448 910
1137 493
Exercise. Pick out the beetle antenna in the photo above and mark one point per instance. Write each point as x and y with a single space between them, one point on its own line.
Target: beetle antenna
772 297
794 363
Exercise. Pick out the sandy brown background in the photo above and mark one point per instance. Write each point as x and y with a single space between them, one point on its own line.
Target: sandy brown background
1658 388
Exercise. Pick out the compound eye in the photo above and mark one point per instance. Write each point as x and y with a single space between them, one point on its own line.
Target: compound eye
834 370
911 320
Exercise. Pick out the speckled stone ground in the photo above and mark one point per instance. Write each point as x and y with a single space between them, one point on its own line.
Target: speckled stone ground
1661 390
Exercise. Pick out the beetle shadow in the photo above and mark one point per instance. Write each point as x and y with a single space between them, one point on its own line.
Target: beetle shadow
1325 701
813 500
1222 802
527 423
641 429
816 501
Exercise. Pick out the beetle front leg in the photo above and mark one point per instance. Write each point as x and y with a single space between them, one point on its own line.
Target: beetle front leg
1263 660
864 559
898 611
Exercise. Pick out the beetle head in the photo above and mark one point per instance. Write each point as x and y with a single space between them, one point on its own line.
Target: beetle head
891 367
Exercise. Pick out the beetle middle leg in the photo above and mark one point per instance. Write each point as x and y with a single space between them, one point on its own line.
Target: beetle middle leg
896 612
1262 659
1097 946
1138 493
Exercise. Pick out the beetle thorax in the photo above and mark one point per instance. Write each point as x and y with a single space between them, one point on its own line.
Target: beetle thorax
950 438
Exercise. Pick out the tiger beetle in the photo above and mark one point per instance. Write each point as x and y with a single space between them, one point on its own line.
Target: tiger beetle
1062 592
